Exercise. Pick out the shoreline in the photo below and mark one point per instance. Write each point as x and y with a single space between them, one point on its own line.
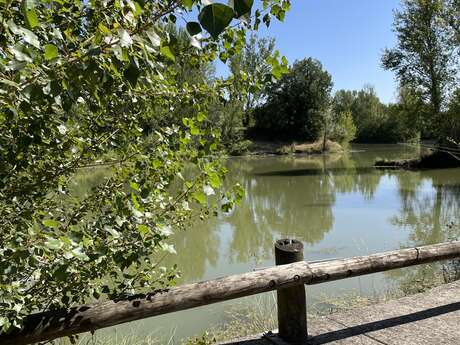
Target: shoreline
279 148
430 160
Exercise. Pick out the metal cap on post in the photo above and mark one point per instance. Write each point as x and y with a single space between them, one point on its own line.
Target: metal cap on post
292 306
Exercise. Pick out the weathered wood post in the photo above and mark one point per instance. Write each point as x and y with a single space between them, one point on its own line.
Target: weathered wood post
292 307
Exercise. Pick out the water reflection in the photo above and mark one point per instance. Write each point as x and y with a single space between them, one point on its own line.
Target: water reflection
293 197
197 252
290 196
338 205
430 206
296 196
430 212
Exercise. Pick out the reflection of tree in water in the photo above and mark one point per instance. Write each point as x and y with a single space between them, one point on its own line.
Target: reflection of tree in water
358 176
197 248
294 206
432 215
292 197
289 196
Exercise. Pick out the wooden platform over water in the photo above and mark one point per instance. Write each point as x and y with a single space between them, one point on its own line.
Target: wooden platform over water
432 317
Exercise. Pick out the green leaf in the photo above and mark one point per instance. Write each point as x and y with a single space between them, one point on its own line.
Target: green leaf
4 324
9 83
120 53
200 116
61 273
125 39
134 185
215 181
30 37
104 29
28 9
51 52
153 37
31 18
51 223
137 9
20 53
54 243
188 4
193 28
143 229
167 53
242 7
200 197
78 253
215 18
112 231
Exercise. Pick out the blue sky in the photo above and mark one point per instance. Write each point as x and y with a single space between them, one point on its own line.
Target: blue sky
347 36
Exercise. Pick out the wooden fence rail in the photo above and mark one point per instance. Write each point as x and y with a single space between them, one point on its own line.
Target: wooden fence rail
54 324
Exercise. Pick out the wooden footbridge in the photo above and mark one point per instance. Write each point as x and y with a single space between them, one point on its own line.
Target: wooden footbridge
420 319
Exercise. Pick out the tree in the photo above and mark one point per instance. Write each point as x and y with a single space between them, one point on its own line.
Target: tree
296 104
250 70
408 115
343 101
452 18
452 119
367 111
344 130
251 67
79 79
424 55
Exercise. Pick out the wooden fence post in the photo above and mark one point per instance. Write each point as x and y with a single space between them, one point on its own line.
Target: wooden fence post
292 307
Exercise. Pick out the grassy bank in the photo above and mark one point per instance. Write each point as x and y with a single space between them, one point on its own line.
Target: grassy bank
285 148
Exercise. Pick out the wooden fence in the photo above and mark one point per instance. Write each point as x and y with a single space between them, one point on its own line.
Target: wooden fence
287 278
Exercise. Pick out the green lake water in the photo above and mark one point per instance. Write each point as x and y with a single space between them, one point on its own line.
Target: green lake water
337 205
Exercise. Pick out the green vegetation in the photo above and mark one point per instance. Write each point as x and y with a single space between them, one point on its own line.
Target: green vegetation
426 60
378 122
296 104
85 83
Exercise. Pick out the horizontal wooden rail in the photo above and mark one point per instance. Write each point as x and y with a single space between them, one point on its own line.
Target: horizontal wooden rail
54 324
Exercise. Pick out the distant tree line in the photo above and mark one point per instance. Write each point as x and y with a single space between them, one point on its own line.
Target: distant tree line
300 106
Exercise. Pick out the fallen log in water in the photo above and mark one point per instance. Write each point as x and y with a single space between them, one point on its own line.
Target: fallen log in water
54 324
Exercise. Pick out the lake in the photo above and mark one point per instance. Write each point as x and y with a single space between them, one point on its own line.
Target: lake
337 205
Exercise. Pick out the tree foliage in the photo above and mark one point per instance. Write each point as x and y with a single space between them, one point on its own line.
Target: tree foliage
255 65
80 79
344 130
378 122
366 109
297 103
451 126
251 70
425 57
